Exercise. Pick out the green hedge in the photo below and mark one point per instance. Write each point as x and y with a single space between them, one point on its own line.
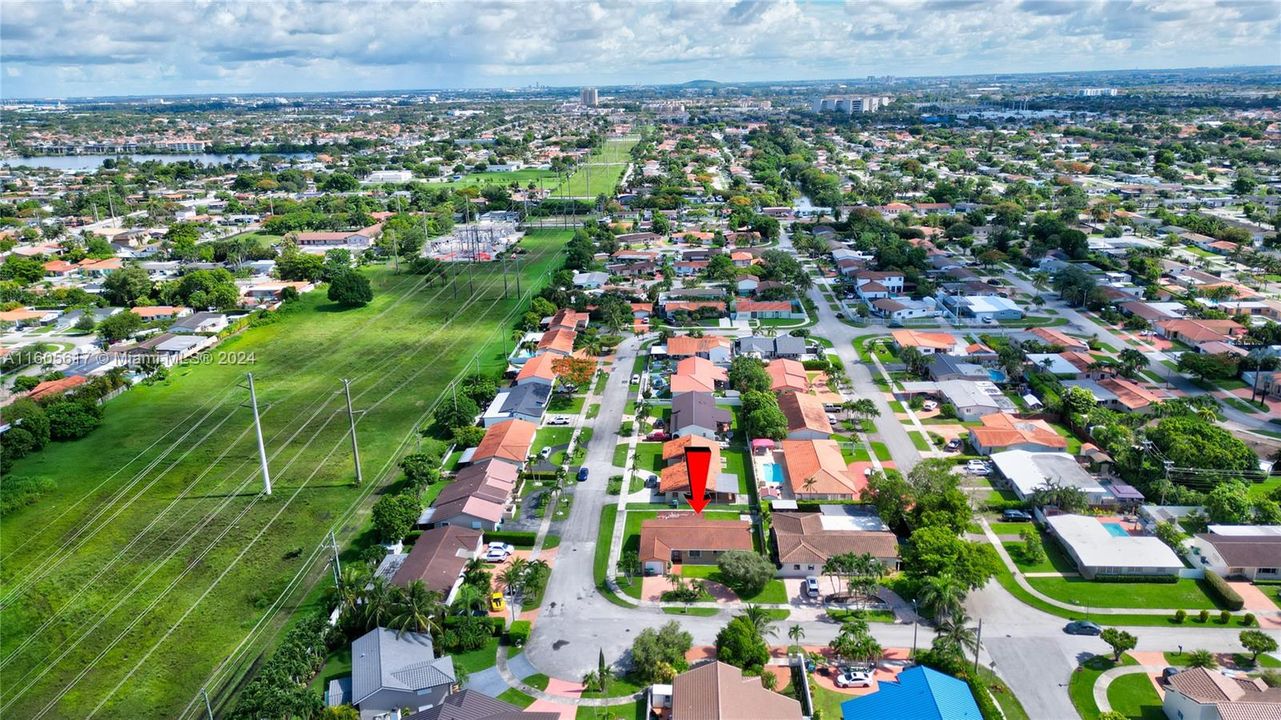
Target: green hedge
1220 588
1003 505
519 539
1150 579
496 624
518 633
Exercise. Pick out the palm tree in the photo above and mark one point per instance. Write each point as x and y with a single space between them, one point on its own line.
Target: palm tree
475 572
1130 360
377 603
513 577
417 610
351 588
598 679
943 596
955 634
796 634
470 599
760 619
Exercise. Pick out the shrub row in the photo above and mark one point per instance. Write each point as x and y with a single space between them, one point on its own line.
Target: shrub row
1003 505
1224 592
519 539
1151 579
496 624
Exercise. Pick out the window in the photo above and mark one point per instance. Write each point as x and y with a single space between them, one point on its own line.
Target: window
1267 571
696 553
798 567
811 567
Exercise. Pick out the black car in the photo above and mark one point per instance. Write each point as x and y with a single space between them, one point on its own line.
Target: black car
1016 516
1168 673
1082 627
582 474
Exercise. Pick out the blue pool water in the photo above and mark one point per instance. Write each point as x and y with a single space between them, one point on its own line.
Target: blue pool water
996 375
1115 529
776 474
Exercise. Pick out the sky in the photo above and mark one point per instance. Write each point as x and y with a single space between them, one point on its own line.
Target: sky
73 48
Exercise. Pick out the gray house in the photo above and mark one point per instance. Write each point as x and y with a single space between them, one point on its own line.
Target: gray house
769 348
695 413
519 402
390 672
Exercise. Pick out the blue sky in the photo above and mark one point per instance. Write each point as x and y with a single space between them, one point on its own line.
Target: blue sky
139 47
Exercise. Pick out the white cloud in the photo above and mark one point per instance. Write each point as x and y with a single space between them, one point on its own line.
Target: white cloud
95 47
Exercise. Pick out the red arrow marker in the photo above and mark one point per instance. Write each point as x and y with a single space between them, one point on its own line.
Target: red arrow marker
698 461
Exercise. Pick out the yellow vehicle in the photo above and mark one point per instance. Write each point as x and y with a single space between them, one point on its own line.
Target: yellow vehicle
496 602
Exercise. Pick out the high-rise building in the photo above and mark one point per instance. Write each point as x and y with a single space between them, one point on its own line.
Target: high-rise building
850 104
1096 92
588 97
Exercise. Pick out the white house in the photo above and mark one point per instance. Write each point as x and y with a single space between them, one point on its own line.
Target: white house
1101 550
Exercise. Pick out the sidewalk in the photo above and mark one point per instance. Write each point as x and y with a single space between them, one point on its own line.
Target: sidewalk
505 672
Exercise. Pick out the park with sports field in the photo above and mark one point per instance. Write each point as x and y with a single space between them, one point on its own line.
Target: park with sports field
153 565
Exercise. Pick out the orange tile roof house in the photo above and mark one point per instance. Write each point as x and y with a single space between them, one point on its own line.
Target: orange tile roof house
807 540
716 691
1129 394
673 480
1200 694
568 319
101 267
1195 332
711 347
60 268
1001 431
160 312
816 470
927 342
509 441
688 538
806 419
559 341
696 374
787 375
55 388
1056 337
538 369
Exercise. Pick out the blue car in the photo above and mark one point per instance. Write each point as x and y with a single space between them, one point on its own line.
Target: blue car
582 474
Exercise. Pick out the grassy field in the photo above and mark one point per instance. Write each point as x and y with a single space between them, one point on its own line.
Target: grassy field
600 174
523 177
1185 593
155 566
1134 697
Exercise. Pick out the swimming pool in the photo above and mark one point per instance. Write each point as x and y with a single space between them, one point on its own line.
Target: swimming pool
775 474
1115 529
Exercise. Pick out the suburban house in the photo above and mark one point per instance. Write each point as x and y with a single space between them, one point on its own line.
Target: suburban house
951 367
816 470
590 280
787 375
928 343
1252 552
1201 694
54 388
558 341
918 693
689 538
26 317
538 370
509 441
1059 338
320 242
695 413
527 401
758 309
716 691
437 558
1001 431
768 348
471 705
1029 471
716 348
981 307
391 671
903 308
972 398
1120 394
478 497
673 480
1100 550
160 312
805 541
1196 332
203 323
696 374
806 419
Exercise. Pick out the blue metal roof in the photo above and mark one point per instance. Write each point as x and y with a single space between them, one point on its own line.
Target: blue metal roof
919 694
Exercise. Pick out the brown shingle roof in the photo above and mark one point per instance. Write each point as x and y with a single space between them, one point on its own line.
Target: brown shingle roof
801 539
717 691
438 558
690 531
1246 550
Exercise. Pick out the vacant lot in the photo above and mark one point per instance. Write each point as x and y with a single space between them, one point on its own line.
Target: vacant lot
600 174
155 565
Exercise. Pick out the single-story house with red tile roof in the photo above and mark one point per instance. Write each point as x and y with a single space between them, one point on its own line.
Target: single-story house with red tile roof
689 538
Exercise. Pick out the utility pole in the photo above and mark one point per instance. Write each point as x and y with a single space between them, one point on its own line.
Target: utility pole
351 418
208 709
262 450
333 544
978 644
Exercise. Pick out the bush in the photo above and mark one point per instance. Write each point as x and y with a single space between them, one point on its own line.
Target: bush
1225 617
1220 590
518 633
745 572
1180 616
519 539
72 419
471 633
1249 620
349 288
1203 616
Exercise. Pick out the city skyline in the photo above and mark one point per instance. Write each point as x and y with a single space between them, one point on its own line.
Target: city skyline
94 50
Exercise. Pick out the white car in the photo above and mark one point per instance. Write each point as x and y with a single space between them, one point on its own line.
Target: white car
988 321
636 379
545 452
978 467
497 552
930 406
811 586
854 679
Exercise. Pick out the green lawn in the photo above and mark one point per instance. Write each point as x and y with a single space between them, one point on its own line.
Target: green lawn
620 454
1004 528
649 456
629 711
600 174
516 697
524 176
882 453
153 562
1265 488
774 593
552 436
1185 593
337 665
1134 697
1055 560
1081 684
477 660
919 441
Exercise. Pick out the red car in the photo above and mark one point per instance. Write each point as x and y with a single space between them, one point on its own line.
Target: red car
656 435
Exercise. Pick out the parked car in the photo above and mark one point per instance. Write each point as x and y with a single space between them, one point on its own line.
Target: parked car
840 316
1016 516
854 679
496 602
988 321
1082 627
635 379
656 435
978 467
559 420
930 406
953 445
651 481
582 474
811 586
497 552
545 452
1168 673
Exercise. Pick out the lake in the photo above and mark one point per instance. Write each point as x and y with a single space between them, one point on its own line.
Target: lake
93 162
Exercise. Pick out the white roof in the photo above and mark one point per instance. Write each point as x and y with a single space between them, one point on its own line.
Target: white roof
989 303
1094 546
1244 530
1029 471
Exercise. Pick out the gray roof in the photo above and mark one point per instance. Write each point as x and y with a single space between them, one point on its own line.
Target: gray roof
771 346
697 409
380 659
529 399
338 692
193 321
942 365
471 705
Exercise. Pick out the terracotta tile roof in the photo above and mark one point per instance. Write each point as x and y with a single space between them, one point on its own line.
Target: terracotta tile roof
568 319
539 366
1211 686
558 340
61 386
802 539
510 440
717 691
684 345
689 531
438 558
804 412
763 306
1057 337
157 311
787 375
1002 430
675 476
820 460
915 338
1129 393
701 367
